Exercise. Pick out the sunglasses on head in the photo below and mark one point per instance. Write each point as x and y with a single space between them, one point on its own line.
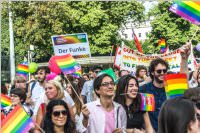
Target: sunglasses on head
161 70
57 113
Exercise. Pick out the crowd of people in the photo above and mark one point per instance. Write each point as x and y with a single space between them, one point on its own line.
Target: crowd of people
96 103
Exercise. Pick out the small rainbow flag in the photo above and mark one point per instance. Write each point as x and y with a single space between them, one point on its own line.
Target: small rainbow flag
22 70
78 72
17 121
189 10
162 45
147 102
175 84
5 101
66 63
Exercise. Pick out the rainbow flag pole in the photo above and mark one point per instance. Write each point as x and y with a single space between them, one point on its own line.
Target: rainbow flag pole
175 85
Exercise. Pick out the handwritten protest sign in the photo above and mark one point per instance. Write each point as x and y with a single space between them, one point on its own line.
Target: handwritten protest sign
130 59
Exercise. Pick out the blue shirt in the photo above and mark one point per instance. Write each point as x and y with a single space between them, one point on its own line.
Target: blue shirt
159 96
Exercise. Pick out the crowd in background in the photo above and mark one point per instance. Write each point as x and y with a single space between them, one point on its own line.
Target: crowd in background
95 103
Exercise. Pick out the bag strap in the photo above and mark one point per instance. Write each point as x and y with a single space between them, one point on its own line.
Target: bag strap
32 86
117 116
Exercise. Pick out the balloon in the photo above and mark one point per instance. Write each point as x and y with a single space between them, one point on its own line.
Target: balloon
32 67
198 47
53 66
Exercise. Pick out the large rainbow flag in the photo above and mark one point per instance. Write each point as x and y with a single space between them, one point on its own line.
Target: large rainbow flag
189 10
17 121
5 101
66 63
147 102
22 70
162 45
175 85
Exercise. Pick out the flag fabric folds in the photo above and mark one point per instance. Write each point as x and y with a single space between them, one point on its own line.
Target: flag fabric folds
163 46
189 10
66 63
5 101
147 102
175 85
17 121
22 70
137 43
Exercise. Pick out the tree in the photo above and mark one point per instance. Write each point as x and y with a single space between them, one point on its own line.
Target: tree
170 26
35 23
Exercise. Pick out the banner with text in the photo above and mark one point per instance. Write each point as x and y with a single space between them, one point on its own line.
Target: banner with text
130 59
75 44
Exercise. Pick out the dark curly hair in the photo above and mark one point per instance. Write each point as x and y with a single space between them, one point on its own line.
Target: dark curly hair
69 126
122 87
20 93
154 63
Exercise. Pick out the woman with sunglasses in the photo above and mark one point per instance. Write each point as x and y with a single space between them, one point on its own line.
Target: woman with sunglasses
53 91
178 115
127 95
58 118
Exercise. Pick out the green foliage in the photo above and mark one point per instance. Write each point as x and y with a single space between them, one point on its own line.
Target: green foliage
170 26
35 22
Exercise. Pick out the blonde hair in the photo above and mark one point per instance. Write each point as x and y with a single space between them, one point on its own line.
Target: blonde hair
19 79
59 88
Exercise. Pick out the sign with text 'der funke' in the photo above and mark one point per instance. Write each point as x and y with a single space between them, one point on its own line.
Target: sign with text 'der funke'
75 44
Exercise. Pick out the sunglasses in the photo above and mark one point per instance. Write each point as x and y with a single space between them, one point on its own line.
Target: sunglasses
161 70
198 104
57 113
106 84
97 72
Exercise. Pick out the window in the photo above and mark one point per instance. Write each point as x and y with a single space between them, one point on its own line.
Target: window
140 35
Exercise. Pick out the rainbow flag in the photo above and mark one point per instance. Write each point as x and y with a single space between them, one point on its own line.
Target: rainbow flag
22 70
162 45
5 101
17 121
189 10
77 73
66 63
147 102
175 85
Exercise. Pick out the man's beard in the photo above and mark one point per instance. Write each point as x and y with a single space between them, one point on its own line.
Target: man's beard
156 78
42 80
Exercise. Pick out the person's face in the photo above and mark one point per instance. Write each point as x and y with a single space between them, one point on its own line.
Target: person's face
132 89
96 71
75 81
69 89
85 78
15 99
159 72
107 87
59 116
194 125
142 73
41 75
21 85
50 91
124 73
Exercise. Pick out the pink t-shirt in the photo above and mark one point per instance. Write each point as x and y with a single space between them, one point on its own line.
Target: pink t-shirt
110 121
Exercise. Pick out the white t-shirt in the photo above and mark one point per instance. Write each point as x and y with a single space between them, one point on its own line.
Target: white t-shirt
36 92
67 98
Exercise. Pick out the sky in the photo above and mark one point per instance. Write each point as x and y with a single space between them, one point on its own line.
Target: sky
148 5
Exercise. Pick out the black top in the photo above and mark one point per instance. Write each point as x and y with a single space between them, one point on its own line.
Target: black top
134 119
